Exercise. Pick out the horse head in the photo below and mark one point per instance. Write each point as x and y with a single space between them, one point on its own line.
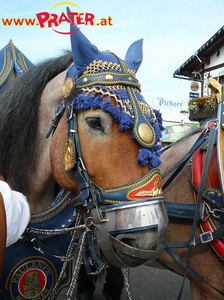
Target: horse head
105 150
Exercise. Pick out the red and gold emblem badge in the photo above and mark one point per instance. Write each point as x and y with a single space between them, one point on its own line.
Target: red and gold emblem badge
34 278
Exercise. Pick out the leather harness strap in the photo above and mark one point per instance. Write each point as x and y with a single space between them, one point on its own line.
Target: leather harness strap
200 194
205 237
179 166
2 233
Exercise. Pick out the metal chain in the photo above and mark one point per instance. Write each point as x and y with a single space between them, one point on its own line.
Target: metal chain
126 282
68 254
77 266
212 212
52 232
101 268
71 254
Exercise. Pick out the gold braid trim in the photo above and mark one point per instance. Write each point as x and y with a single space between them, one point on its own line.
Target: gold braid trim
22 63
98 65
108 93
146 109
6 68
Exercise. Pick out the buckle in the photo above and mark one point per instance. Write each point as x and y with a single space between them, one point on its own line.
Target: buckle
206 237
37 245
60 109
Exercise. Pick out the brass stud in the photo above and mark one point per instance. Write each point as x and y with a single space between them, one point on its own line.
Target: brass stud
84 80
145 133
69 155
222 125
109 77
68 87
130 79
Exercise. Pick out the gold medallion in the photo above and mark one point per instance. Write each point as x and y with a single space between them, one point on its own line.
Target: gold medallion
69 155
145 133
68 87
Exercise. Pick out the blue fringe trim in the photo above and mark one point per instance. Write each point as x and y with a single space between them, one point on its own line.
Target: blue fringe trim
148 156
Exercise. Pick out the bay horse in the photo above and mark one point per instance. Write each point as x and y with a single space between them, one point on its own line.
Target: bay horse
207 265
104 132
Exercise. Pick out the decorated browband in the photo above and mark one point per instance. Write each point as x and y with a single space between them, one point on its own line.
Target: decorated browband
143 130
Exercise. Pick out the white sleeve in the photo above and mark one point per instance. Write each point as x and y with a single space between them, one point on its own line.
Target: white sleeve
17 212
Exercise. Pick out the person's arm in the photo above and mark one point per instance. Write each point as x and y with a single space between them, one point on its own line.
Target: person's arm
17 213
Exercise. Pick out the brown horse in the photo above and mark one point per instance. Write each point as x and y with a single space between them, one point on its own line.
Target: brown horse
115 128
204 260
26 113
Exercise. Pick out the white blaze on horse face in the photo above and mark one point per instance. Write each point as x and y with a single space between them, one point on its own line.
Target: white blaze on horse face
97 123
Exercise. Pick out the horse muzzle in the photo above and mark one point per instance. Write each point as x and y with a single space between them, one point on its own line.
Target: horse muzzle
132 233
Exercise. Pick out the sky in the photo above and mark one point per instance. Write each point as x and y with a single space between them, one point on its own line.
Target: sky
172 31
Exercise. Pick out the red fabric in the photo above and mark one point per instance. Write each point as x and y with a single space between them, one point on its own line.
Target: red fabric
217 244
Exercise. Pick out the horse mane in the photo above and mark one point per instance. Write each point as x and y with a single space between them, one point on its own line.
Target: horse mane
19 103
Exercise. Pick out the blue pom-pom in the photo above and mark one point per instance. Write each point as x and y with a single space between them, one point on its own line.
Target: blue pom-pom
107 107
125 121
146 156
116 113
97 102
82 102
159 119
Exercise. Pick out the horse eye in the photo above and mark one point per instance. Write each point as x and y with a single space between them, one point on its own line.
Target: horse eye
95 123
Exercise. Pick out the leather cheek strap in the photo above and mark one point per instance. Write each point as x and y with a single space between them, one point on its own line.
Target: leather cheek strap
2 233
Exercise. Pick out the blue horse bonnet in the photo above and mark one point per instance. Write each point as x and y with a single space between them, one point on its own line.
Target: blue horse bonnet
98 74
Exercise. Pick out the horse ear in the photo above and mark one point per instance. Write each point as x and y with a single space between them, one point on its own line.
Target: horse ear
134 54
83 52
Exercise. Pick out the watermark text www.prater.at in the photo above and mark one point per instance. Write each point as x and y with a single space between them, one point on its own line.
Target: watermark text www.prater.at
55 20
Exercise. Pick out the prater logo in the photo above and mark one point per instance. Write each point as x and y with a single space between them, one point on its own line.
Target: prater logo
58 19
